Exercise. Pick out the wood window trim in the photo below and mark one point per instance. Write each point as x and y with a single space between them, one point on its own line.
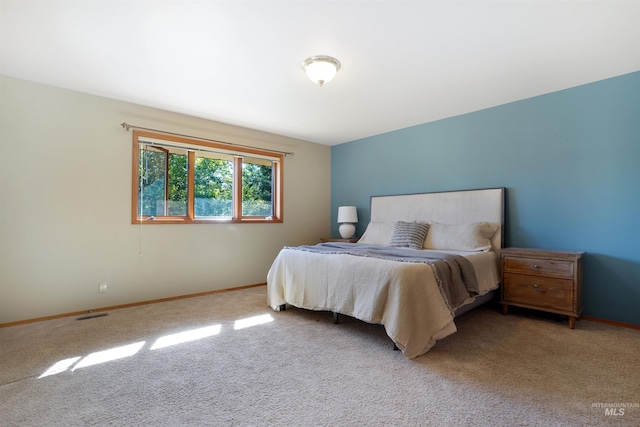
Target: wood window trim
237 184
190 218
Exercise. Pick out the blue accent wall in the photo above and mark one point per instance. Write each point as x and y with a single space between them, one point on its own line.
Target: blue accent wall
570 161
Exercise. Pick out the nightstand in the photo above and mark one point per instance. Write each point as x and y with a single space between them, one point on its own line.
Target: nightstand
540 279
338 239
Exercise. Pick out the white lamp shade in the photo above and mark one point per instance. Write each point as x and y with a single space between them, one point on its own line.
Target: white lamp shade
347 214
321 69
321 72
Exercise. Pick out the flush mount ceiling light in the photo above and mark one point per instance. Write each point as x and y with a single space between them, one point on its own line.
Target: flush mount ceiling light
321 69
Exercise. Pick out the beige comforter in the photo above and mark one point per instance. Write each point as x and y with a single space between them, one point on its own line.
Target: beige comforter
404 297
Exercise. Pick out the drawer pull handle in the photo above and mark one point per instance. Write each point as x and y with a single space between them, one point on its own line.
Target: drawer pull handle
538 288
536 266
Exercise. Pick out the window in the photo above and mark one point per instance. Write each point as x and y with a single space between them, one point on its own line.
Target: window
183 180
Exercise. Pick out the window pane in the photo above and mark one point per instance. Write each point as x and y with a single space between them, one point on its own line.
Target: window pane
152 186
177 193
257 182
213 193
162 187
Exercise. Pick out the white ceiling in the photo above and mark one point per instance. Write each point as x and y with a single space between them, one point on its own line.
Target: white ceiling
238 62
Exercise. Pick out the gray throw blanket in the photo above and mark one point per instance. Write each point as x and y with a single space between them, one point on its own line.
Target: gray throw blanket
455 274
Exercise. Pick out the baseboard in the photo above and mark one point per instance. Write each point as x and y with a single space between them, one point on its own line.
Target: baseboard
133 304
200 294
611 322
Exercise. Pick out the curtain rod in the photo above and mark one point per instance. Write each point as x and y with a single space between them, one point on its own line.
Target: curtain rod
127 126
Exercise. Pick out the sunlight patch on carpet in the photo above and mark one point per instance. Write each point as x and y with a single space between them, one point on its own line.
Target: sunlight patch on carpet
162 342
60 366
186 336
109 355
252 321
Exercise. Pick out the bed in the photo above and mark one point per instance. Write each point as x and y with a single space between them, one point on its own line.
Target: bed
423 260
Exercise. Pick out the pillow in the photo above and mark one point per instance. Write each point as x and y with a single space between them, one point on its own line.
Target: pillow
409 234
377 233
465 237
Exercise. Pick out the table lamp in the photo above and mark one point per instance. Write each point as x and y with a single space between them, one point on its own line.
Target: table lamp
347 216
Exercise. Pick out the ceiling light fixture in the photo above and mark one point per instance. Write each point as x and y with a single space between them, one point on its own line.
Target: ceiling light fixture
321 69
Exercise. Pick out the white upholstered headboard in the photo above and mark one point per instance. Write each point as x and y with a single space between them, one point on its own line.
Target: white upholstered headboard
450 207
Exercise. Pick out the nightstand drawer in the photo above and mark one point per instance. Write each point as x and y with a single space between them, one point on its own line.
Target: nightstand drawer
538 266
540 292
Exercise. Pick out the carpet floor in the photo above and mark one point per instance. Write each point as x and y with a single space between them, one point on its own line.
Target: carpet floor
227 359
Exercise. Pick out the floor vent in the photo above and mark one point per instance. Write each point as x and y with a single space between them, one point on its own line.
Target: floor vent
92 316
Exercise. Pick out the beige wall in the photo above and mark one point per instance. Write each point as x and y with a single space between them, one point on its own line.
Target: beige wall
65 196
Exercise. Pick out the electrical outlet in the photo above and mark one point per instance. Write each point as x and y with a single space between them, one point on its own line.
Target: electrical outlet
102 287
